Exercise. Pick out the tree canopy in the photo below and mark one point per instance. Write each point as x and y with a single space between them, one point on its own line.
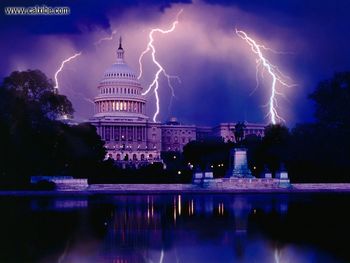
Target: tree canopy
332 101
33 140
37 90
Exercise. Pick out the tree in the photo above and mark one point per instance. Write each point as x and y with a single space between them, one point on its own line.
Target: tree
253 143
33 141
332 99
36 89
209 152
83 150
320 150
275 145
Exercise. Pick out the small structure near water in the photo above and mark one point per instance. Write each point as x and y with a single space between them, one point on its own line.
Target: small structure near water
63 183
282 176
203 178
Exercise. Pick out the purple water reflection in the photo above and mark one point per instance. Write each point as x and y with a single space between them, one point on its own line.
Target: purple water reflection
175 228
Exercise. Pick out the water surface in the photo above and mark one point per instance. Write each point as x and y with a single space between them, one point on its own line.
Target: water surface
176 228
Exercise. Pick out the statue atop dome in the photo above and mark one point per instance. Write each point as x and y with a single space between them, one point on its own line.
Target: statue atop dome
120 53
120 43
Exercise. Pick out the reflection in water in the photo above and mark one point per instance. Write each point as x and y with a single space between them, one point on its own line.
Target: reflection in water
172 228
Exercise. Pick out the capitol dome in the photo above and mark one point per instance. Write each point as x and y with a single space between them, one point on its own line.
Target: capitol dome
120 92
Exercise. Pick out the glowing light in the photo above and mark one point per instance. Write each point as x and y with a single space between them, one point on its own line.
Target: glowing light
192 206
221 208
278 78
98 42
61 68
155 83
174 211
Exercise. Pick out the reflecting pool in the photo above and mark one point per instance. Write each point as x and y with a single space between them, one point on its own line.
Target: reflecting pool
176 228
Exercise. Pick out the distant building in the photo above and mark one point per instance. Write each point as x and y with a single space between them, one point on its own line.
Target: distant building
175 135
226 130
129 134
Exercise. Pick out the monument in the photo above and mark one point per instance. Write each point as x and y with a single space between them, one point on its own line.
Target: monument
240 164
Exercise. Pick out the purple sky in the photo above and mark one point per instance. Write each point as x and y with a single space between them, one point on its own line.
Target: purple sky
216 67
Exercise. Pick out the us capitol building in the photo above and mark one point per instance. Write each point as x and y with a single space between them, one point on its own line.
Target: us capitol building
129 134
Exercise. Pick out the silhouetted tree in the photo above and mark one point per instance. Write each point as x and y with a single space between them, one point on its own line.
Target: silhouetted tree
208 152
275 145
332 100
254 153
37 90
33 142
320 150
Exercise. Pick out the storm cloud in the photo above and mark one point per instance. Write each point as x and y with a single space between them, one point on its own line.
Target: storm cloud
217 69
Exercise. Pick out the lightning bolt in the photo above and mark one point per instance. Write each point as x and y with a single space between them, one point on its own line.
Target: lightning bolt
79 95
61 68
105 38
278 78
155 83
76 55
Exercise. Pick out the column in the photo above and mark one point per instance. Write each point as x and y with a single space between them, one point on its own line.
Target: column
112 133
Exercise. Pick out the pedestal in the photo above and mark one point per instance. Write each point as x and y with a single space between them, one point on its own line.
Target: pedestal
283 179
240 163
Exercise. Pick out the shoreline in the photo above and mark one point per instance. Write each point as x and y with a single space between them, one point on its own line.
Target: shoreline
110 189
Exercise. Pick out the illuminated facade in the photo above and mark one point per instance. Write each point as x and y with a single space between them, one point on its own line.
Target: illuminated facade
128 133
120 115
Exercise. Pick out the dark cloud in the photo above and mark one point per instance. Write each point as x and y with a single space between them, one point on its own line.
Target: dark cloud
216 68
85 15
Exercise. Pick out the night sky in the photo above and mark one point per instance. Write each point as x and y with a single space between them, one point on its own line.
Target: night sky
216 67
